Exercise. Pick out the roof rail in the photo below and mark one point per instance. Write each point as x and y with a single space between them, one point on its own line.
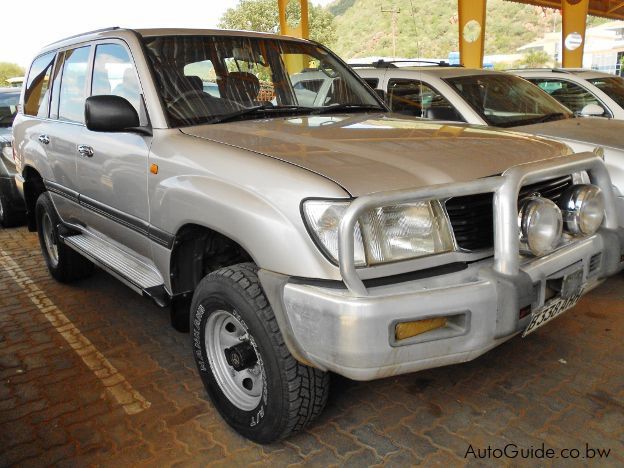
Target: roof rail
554 70
112 28
381 63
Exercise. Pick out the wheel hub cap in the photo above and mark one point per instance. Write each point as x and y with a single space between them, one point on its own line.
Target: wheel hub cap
234 359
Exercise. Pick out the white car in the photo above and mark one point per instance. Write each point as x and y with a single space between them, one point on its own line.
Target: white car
487 97
577 89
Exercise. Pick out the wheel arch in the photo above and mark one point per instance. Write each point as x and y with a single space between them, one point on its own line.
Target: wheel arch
33 187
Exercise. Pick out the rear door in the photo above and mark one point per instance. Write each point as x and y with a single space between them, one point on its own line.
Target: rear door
39 136
112 168
66 125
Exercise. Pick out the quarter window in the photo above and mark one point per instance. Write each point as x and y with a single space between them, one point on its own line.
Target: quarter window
114 73
73 90
412 97
36 96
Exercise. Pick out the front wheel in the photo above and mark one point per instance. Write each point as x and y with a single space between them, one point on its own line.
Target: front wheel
251 377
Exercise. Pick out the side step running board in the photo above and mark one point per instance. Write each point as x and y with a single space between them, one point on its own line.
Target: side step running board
131 271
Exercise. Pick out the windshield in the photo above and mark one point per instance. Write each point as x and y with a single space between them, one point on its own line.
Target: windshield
612 87
507 100
211 79
8 108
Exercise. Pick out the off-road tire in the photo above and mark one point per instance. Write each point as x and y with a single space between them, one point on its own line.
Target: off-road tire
294 394
71 266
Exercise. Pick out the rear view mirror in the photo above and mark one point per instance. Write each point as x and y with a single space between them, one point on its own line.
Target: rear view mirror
592 110
112 114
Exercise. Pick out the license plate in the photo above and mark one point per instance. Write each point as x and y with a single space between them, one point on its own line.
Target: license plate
571 292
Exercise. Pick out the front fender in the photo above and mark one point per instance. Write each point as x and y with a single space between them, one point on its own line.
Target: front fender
249 198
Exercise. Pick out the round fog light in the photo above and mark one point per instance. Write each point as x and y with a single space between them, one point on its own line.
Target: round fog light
583 208
541 224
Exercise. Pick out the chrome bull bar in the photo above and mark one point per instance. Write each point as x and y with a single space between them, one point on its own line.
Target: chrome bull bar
505 187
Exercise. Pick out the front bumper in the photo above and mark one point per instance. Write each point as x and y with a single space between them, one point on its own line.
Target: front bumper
333 330
350 328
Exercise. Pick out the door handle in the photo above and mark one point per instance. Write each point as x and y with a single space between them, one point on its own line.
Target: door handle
85 151
45 139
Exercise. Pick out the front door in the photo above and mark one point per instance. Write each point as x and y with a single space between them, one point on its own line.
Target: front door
112 168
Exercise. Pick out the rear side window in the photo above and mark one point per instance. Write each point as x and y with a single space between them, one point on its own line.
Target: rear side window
571 95
114 73
73 90
412 97
36 96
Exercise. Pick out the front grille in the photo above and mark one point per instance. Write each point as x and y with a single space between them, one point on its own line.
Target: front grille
472 216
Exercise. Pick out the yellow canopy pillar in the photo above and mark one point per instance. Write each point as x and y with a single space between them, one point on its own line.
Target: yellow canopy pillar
293 16
471 32
574 14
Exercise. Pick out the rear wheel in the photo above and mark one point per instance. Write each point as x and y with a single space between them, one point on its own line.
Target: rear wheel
63 263
251 377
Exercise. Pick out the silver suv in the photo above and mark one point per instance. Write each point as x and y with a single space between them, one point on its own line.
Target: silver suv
294 240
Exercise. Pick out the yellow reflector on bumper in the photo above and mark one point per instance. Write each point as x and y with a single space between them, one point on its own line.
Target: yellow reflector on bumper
408 329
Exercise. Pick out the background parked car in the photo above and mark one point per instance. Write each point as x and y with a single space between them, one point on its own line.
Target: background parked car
11 203
487 97
577 89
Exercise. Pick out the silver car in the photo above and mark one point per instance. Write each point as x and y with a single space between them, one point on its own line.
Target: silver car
298 239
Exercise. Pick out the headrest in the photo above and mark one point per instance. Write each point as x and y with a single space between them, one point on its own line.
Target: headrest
241 86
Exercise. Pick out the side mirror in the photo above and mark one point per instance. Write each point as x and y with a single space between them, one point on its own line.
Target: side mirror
381 93
592 110
112 114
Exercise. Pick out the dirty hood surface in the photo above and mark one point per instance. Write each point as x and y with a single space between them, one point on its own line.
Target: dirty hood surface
591 130
368 153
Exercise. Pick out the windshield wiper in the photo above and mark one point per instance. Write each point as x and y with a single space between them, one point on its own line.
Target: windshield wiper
348 108
256 109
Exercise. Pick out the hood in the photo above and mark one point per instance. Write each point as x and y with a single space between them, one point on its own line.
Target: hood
591 130
367 153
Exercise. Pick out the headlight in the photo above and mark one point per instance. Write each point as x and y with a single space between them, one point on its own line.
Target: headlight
385 234
583 208
540 225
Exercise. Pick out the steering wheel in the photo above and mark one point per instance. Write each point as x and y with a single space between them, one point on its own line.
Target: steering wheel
192 94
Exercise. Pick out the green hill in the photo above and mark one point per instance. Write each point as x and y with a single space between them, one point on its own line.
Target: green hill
428 28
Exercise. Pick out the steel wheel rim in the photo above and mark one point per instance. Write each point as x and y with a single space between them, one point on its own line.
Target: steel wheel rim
243 388
49 240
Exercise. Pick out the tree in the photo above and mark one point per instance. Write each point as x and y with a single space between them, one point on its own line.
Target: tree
535 59
9 70
263 16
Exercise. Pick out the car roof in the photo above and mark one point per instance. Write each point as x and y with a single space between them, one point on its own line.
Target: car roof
581 72
446 72
116 32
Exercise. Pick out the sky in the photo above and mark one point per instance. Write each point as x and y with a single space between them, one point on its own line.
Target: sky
27 26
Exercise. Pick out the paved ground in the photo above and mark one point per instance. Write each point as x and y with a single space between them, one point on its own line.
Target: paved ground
92 373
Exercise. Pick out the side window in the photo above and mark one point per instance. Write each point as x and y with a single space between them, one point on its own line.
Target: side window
114 73
37 87
372 82
571 95
73 92
412 97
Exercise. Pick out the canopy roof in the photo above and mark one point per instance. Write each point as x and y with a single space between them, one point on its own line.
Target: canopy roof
613 9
